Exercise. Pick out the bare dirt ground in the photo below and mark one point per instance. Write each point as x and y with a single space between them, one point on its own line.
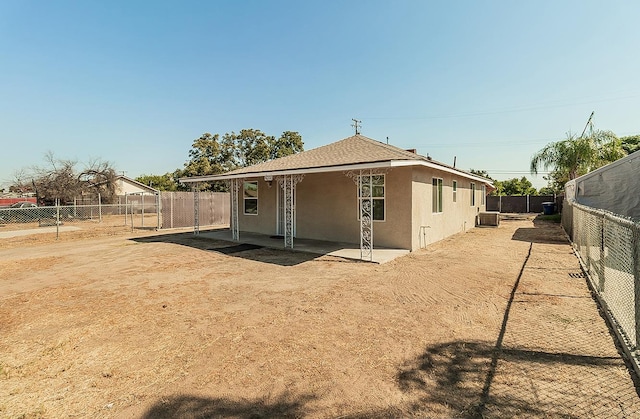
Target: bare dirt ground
495 322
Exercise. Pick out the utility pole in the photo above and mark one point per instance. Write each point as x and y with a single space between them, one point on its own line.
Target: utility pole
589 125
357 125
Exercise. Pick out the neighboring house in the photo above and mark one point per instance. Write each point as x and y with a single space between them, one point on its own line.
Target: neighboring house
128 186
613 187
356 190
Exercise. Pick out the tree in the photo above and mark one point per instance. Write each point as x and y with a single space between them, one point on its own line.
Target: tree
250 146
290 142
164 182
515 186
59 182
547 190
576 156
631 143
212 154
481 173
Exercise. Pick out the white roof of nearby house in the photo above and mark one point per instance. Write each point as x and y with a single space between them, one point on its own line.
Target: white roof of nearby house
353 153
136 186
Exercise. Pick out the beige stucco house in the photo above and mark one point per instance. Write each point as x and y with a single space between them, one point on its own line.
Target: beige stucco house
356 190
128 186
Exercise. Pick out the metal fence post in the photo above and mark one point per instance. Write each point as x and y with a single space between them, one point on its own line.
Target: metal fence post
99 208
601 276
57 219
635 231
158 208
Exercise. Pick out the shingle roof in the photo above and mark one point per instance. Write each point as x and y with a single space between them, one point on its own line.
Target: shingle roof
352 150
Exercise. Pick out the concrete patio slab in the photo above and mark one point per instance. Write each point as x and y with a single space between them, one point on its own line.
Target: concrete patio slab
338 249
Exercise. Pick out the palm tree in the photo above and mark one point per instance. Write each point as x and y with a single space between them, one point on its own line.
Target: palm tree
576 156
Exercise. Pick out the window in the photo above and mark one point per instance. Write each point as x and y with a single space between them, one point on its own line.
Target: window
455 190
473 193
377 194
484 195
436 195
250 197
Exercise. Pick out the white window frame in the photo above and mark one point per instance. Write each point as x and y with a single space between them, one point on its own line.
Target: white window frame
472 187
483 198
436 195
383 198
454 186
246 198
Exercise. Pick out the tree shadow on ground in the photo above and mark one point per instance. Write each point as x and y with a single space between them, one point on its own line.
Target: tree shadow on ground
186 406
282 257
478 379
543 231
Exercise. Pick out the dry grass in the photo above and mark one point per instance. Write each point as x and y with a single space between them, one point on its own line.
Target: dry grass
161 326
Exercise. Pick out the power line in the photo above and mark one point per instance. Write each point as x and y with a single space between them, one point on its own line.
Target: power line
499 111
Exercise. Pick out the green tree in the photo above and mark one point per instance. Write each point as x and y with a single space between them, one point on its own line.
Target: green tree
576 156
290 142
546 190
481 173
211 154
631 143
249 147
164 182
515 186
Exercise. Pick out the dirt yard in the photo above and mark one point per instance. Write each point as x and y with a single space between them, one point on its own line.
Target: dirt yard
495 322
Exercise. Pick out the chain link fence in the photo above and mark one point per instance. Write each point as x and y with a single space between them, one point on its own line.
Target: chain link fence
90 219
135 211
609 248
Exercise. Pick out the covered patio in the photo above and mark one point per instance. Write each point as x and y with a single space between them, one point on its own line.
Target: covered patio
319 247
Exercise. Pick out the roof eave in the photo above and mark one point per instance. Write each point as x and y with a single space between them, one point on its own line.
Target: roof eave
338 168
300 171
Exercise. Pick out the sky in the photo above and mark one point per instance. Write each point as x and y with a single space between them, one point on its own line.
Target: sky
488 83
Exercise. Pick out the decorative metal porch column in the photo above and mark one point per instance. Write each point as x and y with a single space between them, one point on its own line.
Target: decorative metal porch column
288 185
364 181
234 187
365 188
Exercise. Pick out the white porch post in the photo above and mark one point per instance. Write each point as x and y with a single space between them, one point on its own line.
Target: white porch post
234 187
288 185
364 181
365 188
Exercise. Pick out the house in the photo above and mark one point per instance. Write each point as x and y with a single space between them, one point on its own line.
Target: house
356 190
613 187
128 186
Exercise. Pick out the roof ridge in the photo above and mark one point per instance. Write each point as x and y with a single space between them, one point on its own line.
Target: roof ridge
393 148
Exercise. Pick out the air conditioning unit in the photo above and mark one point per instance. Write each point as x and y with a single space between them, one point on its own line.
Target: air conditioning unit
489 218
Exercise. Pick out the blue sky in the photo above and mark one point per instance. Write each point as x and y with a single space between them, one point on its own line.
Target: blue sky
135 82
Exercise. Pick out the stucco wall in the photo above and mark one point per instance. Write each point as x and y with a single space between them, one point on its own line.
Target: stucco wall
429 227
327 209
265 221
